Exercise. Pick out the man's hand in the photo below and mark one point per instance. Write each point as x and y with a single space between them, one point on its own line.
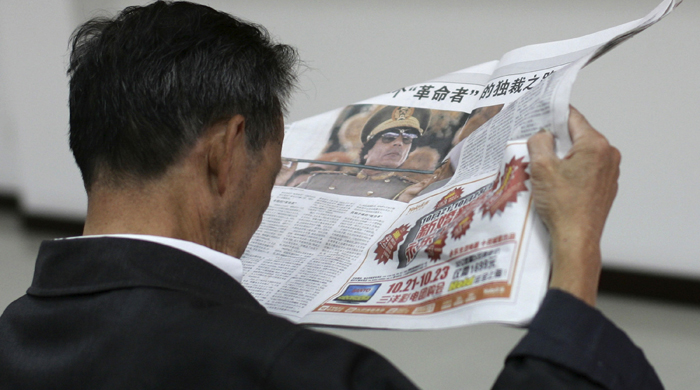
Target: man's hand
573 196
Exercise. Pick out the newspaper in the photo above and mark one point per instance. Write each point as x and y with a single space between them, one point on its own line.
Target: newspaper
412 209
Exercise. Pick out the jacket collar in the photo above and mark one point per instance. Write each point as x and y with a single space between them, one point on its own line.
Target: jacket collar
229 264
91 265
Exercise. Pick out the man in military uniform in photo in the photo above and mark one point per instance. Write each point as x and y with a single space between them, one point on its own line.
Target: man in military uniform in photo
387 138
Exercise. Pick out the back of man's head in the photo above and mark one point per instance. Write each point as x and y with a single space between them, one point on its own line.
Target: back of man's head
145 85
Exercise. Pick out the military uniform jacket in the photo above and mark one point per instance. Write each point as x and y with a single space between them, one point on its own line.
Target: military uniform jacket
388 186
115 313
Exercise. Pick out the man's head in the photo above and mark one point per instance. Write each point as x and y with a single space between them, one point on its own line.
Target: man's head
147 84
176 122
390 135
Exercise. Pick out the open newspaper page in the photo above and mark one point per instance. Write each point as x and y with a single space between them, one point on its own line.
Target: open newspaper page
413 210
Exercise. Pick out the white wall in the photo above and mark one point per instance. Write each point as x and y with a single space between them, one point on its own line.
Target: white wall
33 37
8 147
8 134
642 95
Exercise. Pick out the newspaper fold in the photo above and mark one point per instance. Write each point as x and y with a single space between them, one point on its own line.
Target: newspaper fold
412 209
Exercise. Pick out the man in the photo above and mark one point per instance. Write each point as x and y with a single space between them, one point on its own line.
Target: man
176 125
387 139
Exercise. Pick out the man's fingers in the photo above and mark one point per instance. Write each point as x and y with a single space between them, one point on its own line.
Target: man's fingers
541 146
580 128
615 155
578 124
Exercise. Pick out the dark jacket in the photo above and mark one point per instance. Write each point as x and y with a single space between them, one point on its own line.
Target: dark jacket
115 313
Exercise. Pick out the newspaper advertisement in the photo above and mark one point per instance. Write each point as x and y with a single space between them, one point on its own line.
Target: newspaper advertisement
412 209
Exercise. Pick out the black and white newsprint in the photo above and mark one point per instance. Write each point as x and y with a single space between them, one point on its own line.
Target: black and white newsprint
413 210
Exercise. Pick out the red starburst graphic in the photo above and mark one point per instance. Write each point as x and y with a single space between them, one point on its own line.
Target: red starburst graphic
388 245
507 186
434 250
451 197
465 220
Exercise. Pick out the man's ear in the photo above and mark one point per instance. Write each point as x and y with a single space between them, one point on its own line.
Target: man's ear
227 150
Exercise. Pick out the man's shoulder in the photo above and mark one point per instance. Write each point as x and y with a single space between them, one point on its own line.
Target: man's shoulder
176 333
142 333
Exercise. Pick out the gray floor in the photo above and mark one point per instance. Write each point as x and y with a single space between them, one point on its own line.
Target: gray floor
465 358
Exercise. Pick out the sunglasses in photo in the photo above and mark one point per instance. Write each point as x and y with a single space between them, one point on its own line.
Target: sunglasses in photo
406 138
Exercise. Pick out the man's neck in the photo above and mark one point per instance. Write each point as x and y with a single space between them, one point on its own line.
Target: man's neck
149 210
166 207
